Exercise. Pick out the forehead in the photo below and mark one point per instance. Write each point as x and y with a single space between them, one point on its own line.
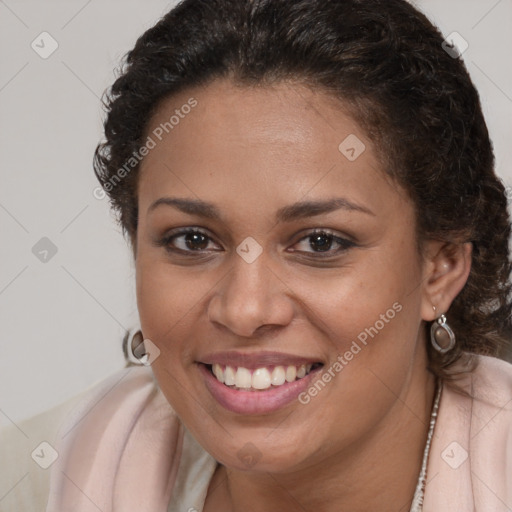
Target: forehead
244 145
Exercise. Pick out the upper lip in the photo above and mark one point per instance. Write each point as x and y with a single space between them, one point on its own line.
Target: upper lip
252 361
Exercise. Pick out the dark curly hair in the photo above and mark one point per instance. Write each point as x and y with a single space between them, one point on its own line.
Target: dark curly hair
385 61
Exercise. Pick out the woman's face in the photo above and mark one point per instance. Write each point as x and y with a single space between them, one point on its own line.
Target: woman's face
301 255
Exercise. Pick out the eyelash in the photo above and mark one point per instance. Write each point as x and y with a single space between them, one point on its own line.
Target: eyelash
342 242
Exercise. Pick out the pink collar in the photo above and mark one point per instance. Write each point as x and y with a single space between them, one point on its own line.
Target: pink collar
120 448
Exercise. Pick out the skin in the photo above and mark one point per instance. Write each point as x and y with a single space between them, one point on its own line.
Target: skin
358 444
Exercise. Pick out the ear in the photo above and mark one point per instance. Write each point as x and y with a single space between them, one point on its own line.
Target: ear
446 268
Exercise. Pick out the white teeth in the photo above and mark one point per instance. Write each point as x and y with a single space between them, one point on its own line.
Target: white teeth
217 371
278 376
229 376
243 378
261 379
291 373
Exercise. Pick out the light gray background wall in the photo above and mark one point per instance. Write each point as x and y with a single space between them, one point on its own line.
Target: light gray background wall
63 315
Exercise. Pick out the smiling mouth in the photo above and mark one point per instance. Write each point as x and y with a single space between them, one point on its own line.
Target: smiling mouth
260 379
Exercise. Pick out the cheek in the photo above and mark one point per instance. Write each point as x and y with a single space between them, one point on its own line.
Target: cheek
165 301
378 297
381 319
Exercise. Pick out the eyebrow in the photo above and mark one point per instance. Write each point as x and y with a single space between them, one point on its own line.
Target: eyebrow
299 210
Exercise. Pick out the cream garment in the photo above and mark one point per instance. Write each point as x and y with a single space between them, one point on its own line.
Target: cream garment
122 449
24 485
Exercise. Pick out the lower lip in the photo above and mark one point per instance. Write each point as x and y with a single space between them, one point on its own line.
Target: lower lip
255 402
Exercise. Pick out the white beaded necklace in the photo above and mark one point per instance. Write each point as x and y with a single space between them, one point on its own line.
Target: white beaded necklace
419 493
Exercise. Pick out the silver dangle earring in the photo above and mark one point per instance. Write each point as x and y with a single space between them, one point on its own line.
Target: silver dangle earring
441 335
136 348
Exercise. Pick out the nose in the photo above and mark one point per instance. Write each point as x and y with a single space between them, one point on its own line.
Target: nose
251 299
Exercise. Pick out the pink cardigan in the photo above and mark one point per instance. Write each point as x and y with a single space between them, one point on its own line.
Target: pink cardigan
123 449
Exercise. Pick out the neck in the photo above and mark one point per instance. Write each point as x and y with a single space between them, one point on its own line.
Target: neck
380 473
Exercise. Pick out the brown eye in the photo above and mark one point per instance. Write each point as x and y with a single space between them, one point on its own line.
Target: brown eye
188 240
323 242
196 241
